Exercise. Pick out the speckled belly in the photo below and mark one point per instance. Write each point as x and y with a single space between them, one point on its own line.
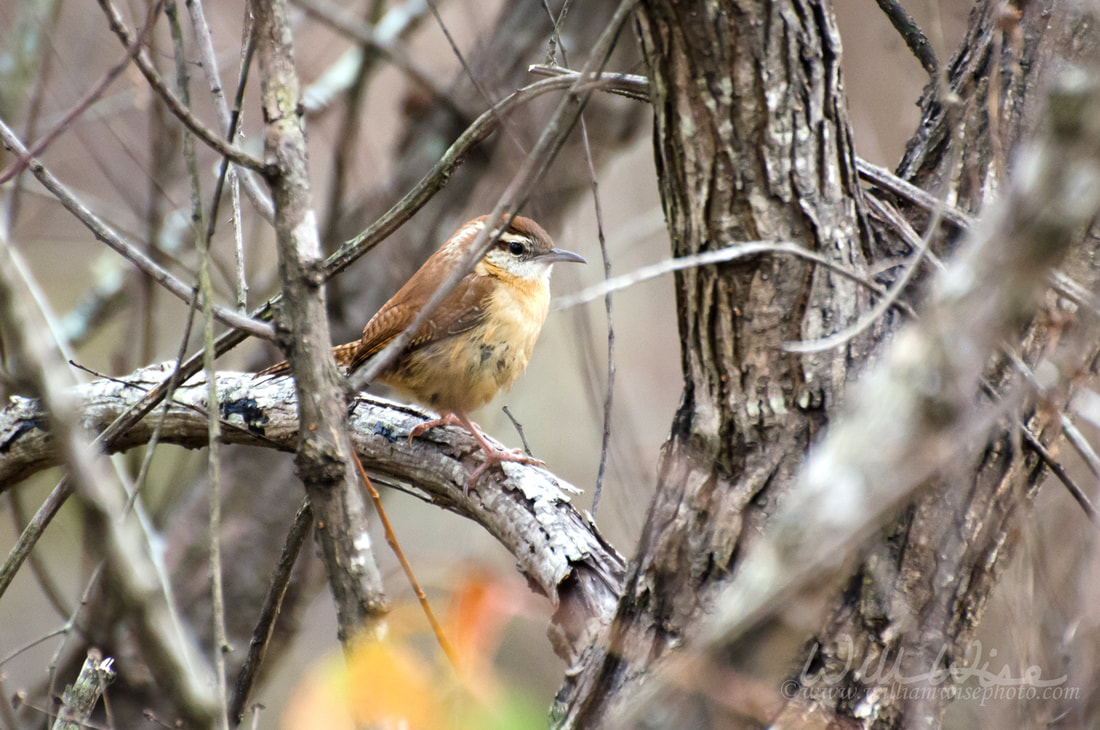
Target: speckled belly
464 372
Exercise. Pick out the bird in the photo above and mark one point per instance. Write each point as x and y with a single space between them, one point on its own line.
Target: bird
477 341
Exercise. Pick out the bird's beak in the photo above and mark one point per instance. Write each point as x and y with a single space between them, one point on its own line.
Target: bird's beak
560 255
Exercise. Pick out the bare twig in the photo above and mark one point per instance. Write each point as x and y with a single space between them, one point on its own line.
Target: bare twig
609 396
269 612
106 234
228 119
384 43
406 567
31 533
86 101
519 430
1063 476
890 182
631 86
920 247
722 255
41 573
206 295
178 108
555 41
324 451
227 173
469 72
515 195
348 133
34 23
912 34
81 697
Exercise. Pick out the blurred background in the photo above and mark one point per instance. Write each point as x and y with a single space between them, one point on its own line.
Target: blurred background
372 133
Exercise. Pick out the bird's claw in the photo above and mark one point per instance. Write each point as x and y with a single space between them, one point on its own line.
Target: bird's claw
496 456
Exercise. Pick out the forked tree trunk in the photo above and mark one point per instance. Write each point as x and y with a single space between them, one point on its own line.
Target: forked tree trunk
752 142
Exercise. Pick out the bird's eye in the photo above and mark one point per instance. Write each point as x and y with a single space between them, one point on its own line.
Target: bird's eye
515 248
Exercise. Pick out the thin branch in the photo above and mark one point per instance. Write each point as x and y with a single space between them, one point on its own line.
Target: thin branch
348 132
920 248
555 41
722 255
81 697
609 394
883 178
86 101
914 37
469 72
631 86
519 430
206 295
32 532
175 105
269 612
34 23
515 195
230 174
406 567
384 43
38 567
229 120
106 234
398 23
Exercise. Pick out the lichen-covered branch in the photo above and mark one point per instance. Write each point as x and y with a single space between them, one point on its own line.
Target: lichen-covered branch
526 508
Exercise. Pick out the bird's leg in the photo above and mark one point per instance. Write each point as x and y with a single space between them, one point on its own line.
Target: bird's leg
447 419
493 455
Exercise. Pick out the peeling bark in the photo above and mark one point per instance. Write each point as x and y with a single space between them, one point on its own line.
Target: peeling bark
527 509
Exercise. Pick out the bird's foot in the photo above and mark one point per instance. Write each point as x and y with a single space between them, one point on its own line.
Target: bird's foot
494 456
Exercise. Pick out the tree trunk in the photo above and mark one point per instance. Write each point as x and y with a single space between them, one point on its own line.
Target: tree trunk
752 143
898 609
767 156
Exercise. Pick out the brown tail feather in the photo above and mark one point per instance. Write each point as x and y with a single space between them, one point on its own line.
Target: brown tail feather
279 368
342 353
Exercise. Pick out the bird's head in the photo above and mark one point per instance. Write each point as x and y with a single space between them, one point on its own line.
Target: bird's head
524 250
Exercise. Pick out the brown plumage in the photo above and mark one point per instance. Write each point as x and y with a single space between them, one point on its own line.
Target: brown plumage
477 341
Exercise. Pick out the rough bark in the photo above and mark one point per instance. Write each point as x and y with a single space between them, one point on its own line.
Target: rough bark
257 482
323 455
527 509
739 158
925 585
962 527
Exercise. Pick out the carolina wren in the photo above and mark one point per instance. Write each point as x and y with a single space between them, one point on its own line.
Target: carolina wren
477 340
